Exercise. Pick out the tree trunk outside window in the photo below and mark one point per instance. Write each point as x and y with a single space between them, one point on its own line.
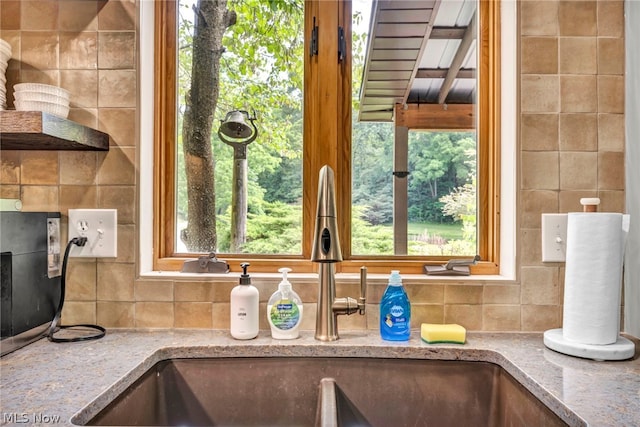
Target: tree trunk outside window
212 18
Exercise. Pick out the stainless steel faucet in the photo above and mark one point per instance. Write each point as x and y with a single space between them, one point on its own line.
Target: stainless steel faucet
326 251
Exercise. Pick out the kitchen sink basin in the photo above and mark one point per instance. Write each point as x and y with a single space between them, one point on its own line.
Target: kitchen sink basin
325 391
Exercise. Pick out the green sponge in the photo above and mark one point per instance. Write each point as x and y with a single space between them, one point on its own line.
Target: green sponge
450 333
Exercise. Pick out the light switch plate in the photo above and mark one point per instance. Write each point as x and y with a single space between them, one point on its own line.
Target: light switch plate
100 227
554 237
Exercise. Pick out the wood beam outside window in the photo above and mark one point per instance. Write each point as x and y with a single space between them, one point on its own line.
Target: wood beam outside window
447 33
400 190
441 73
436 116
456 63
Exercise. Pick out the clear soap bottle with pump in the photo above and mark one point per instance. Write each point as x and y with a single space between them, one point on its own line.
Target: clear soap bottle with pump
395 311
284 310
244 308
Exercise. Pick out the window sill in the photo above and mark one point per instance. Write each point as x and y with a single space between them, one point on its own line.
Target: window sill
313 277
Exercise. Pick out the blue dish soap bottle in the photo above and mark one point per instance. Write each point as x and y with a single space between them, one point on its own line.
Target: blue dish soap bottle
395 311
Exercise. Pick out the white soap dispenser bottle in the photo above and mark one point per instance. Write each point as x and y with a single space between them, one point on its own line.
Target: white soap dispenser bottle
244 308
284 310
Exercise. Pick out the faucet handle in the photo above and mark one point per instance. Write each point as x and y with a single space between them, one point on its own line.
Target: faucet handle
363 290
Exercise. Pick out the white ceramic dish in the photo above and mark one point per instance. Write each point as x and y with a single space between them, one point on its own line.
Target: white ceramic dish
46 107
40 87
40 96
5 49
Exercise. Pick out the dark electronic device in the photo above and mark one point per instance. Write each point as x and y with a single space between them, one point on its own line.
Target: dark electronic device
30 276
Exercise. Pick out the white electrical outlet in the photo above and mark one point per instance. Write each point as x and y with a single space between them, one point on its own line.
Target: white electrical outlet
554 237
100 227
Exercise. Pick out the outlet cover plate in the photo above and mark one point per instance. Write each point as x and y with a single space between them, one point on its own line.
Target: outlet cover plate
554 237
100 227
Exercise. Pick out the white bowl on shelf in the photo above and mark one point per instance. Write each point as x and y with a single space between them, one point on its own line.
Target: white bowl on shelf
43 88
5 50
40 96
4 45
46 107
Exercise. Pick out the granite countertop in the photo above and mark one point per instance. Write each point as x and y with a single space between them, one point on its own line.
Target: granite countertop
47 383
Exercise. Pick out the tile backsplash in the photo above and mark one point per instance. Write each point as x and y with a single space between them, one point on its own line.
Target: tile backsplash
571 145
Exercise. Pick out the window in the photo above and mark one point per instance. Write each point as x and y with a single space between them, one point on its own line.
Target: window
414 140
239 187
327 118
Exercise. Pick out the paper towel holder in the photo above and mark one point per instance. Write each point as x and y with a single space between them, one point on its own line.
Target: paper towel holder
622 349
554 339
590 204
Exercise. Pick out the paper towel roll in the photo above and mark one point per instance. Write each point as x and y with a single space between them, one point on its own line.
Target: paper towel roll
593 278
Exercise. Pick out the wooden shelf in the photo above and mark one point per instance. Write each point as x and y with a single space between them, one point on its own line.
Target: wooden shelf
35 130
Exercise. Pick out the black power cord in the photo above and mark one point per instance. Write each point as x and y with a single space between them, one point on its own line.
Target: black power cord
55 326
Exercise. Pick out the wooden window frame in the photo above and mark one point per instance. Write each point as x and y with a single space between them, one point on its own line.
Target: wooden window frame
327 140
